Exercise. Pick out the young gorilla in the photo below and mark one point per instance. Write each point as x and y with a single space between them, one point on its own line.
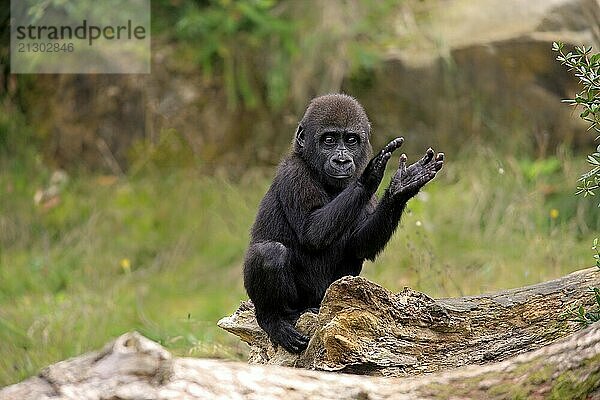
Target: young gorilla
320 218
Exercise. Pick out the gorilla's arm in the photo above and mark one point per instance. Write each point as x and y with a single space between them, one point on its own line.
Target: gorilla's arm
373 234
319 228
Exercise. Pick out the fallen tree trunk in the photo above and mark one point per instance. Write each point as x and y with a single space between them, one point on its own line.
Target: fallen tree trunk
133 367
363 328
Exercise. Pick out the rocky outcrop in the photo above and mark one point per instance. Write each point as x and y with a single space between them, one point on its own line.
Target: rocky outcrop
482 71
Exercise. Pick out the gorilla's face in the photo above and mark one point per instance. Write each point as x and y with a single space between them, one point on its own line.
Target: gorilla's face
338 150
333 138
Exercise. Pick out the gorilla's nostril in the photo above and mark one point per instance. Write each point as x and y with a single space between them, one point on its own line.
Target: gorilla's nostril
341 161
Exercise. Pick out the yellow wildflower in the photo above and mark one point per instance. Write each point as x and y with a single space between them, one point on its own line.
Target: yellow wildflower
125 265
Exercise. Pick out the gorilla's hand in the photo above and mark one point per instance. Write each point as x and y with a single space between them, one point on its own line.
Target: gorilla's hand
373 173
407 181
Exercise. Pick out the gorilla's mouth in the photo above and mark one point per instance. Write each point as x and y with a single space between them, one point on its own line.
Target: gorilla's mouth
339 171
339 175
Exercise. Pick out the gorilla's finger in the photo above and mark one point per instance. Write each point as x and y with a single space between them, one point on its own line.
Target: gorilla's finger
300 338
386 157
375 160
291 346
402 163
433 166
302 341
382 161
295 346
291 331
294 341
427 157
393 145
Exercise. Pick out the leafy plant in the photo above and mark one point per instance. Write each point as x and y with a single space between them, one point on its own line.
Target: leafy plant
583 316
586 67
262 49
230 32
580 314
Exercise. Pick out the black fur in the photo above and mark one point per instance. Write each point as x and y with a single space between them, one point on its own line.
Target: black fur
320 219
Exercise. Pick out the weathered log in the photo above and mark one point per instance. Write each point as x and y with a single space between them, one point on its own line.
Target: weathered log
133 367
363 328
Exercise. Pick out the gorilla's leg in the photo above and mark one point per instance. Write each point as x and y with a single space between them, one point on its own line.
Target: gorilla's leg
270 284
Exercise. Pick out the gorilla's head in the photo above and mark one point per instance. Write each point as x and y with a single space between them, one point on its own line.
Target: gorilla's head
333 139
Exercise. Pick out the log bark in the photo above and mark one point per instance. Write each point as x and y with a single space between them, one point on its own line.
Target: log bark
363 328
133 367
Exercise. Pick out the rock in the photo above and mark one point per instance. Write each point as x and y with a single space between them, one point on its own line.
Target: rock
481 71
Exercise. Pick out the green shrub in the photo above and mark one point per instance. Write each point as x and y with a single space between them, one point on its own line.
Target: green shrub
586 67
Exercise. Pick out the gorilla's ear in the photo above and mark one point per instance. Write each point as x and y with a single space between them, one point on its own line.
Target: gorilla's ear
300 136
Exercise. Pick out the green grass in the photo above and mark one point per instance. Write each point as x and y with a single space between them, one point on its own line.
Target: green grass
65 287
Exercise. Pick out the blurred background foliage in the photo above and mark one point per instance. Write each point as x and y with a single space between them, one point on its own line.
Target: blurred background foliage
235 32
126 200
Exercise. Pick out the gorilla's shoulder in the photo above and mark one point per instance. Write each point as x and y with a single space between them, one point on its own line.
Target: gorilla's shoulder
292 170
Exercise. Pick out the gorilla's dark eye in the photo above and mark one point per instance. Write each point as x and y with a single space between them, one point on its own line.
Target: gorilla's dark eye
352 139
328 140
